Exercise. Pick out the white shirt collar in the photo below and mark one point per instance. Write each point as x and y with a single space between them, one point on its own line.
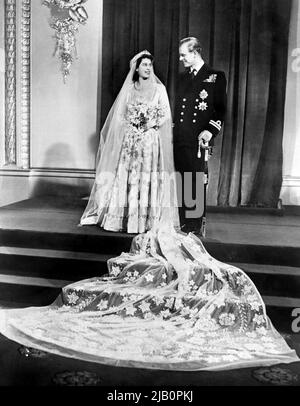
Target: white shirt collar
197 67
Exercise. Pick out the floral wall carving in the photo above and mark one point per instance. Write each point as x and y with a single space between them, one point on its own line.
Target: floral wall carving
25 84
66 16
17 83
10 82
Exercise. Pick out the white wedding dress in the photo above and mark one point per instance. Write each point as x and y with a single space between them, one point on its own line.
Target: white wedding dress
131 201
134 187
166 304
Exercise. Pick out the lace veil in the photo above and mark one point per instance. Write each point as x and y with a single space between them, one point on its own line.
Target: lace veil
111 139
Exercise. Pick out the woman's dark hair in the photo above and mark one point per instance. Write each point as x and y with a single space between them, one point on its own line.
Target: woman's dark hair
138 62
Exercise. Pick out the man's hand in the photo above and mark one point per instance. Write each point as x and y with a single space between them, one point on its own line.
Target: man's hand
204 137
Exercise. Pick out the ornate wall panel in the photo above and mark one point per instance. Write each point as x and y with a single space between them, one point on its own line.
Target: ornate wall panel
17 83
10 82
25 84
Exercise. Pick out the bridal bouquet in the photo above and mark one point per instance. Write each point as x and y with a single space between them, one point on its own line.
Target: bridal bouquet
142 116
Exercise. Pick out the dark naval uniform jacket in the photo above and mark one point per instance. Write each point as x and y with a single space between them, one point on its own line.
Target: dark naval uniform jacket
200 105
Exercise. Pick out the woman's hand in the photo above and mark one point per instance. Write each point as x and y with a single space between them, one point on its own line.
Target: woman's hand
151 124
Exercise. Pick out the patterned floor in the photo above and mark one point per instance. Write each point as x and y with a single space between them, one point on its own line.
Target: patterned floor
29 367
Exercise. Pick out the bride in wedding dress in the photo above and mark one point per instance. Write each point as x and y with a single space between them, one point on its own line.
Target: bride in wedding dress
135 157
166 304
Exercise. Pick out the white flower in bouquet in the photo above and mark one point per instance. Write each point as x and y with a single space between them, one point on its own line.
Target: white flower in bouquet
142 116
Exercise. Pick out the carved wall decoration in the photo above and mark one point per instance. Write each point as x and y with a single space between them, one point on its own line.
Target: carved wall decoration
66 16
25 84
10 82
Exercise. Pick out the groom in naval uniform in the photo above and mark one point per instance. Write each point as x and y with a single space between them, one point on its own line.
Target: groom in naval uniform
200 108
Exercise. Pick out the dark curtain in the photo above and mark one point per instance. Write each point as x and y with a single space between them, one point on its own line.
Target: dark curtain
248 39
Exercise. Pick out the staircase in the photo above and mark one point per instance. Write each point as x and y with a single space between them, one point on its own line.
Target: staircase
36 263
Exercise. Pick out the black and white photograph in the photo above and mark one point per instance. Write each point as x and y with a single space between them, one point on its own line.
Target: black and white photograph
150 196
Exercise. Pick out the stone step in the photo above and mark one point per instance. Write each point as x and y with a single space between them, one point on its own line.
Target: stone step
114 243
280 310
284 302
30 295
72 266
269 269
29 281
102 242
273 279
54 264
50 253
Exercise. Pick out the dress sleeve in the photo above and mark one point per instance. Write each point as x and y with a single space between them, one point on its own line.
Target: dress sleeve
220 103
164 104
121 105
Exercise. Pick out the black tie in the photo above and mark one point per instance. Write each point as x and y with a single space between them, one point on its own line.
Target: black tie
193 73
